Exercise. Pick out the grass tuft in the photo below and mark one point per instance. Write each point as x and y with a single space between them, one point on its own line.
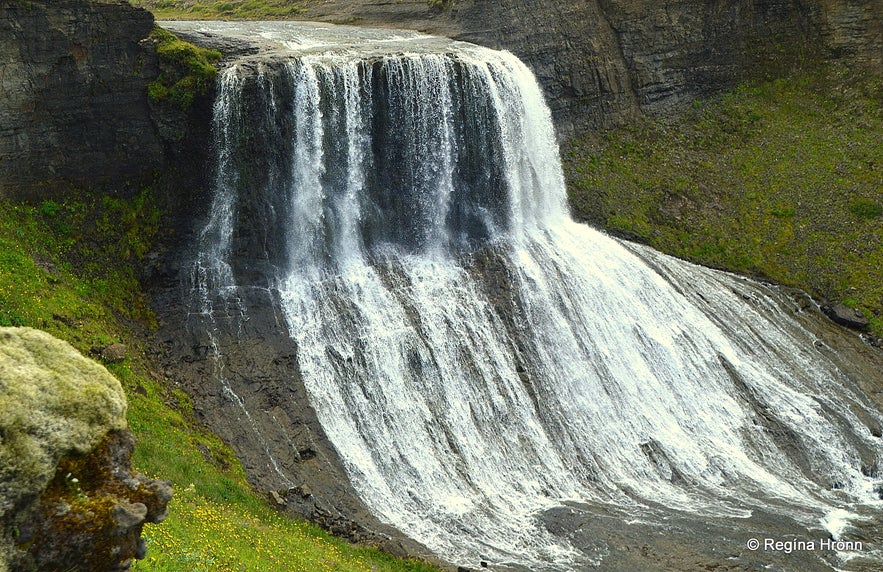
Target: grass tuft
187 71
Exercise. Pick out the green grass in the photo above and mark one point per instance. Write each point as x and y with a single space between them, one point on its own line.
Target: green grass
781 179
206 535
66 268
186 71
223 9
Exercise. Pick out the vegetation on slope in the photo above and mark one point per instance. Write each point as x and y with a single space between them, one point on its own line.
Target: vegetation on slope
223 9
186 71
781 179
68 269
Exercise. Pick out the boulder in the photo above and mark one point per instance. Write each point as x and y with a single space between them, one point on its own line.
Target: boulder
845 316
68 499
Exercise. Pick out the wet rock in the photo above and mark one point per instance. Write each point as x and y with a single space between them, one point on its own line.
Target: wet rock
845 316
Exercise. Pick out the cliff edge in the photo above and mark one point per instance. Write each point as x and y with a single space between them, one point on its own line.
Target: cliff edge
602 62
73 96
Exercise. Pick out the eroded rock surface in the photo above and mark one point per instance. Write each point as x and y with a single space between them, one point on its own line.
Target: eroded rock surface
73 98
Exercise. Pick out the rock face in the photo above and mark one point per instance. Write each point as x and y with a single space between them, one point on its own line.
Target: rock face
603 61
74 110
73 98
68 499
245 384
845 316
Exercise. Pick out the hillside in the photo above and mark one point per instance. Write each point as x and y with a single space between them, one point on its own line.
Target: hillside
71 268
779 178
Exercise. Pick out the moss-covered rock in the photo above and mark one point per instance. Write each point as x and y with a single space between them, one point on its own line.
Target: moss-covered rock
186 71
53 403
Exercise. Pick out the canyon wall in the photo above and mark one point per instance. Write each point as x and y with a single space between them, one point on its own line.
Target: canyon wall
74 111
601 62
73 97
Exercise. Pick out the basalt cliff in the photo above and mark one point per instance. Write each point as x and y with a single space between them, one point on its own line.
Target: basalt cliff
74 109
603 61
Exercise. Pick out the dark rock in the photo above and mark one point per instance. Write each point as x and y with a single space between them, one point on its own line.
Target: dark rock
73 527
129 515
464 569
306 454
258 357
601 62
113 353
73 103
303 491
69 322
845 316
75 112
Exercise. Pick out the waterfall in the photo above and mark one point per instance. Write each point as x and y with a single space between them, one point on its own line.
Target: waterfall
475 357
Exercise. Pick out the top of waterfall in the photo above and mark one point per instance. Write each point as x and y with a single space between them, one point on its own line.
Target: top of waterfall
318 38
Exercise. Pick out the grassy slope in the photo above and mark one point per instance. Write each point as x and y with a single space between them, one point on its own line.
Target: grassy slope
67 269
780 178
223 9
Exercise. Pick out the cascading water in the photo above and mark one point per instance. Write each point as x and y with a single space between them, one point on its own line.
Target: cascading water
475 357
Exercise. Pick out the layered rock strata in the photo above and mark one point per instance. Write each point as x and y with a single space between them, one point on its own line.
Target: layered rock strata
73 99
601 62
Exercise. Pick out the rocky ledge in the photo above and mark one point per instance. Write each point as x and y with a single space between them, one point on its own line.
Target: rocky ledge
602 62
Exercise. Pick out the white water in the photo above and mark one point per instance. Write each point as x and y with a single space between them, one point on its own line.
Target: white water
613 374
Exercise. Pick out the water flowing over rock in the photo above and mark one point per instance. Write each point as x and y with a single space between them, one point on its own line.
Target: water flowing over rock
389 302
601 62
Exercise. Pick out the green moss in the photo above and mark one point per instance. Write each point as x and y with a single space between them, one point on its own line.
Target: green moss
865 208
70 272
187 71
779 178
53 401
